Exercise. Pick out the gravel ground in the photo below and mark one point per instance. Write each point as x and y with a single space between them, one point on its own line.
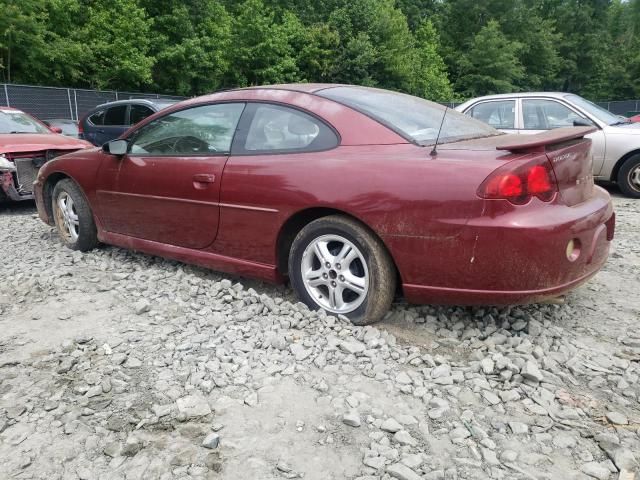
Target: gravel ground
118 365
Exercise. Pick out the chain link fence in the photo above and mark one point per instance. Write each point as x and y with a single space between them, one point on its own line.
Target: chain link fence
69 103
73 103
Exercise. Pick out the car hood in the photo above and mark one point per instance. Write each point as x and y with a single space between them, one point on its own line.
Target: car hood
626 129
33 142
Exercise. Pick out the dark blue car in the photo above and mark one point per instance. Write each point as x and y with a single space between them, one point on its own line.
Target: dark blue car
110 120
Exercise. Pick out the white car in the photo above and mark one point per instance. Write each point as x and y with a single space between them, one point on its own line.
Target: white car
616 144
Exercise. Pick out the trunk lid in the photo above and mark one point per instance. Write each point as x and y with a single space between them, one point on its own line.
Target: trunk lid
570 156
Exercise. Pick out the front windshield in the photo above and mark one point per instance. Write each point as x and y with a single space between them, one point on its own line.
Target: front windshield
414 118
13 121
594 110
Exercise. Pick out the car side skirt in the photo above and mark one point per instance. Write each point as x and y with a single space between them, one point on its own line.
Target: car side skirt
200 258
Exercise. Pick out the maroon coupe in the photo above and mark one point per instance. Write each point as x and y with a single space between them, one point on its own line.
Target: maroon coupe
354 194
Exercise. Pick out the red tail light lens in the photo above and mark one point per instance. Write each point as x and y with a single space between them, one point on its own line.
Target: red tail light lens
81 126
518 181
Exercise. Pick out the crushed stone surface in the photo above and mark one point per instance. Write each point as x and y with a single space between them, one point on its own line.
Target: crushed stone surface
119 365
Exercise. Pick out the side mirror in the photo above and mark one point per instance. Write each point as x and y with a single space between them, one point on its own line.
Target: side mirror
116 147
55 129
582 122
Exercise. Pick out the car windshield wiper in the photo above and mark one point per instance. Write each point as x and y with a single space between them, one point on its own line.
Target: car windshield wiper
620 122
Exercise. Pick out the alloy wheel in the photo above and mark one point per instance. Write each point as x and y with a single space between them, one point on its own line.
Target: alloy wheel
335 273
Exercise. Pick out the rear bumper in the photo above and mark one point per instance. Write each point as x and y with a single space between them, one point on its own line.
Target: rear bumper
508 255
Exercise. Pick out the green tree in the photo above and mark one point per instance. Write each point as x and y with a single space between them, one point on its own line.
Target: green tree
491 64
117 37
22 41
191 45
262 46
431 80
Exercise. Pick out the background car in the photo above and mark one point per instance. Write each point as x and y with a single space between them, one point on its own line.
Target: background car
616 143
343 190
25 145
67 127
635 118
110 120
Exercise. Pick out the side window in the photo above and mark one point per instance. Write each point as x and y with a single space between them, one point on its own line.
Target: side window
97 118
498 114
115 116
195 131
139 113
539 114
275 128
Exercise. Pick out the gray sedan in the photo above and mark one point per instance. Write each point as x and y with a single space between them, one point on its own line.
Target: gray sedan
616 144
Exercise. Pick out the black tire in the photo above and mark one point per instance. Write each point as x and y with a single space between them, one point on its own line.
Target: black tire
629 167
380 267
87 235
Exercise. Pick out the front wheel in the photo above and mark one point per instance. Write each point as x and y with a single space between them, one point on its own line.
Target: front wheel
629 177
339 265
73 217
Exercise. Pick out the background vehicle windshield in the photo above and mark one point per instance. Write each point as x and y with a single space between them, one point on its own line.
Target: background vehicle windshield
12 121
414 118
592 109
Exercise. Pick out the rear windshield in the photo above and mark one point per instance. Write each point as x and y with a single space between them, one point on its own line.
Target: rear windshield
13 121
414 118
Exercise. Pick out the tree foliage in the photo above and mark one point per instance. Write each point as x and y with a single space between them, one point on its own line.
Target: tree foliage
438 49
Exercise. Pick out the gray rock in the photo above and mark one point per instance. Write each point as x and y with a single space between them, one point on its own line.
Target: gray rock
352 419
519 428
404 438
487 366
193 406
142 306
374 462
595 470
299 352
530 371
352 346
617 418
211 441
391 425
402 472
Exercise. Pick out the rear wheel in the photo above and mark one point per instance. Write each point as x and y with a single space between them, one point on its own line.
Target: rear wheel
73 216
629 177
338 265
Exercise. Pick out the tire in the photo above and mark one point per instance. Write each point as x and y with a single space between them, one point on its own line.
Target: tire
361 288
74 222
629 177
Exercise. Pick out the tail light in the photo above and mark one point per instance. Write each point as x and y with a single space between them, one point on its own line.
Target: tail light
520 180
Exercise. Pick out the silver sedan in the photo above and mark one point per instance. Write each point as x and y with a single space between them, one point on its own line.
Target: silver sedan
616 143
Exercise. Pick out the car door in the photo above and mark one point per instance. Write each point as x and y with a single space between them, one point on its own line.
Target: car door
139 112
500 114
167 187
541 114
114 124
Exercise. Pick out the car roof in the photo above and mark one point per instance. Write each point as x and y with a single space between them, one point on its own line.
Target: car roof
521 95
5 107
143 101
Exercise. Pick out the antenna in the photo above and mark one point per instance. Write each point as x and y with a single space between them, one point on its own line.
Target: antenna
434 151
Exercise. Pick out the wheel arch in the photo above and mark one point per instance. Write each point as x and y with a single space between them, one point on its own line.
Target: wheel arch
47 191
299 220
620 162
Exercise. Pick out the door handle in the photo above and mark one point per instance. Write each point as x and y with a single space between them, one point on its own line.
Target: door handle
204 178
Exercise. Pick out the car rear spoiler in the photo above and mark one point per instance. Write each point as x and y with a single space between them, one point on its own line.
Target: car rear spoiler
538 142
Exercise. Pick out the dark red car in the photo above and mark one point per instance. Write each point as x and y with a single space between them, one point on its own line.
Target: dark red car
25 145
342 190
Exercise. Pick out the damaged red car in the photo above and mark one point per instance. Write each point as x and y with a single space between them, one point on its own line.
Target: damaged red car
356 195
25 145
